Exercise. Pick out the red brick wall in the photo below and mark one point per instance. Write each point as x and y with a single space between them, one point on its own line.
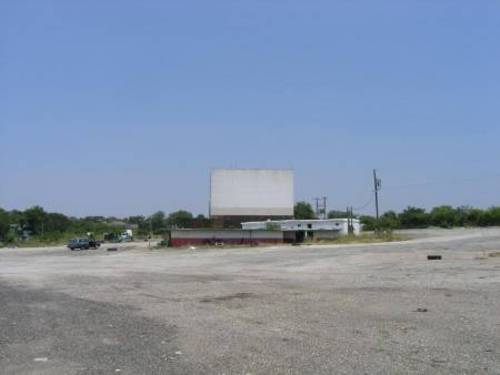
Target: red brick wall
180 242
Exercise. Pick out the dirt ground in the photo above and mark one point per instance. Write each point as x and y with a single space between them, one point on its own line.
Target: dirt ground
347 309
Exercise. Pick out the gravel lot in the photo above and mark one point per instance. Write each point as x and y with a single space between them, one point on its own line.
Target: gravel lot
358 309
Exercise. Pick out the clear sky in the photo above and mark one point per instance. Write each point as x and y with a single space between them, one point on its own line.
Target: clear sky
122 107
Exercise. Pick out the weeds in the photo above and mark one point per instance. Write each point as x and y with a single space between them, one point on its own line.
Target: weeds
386 236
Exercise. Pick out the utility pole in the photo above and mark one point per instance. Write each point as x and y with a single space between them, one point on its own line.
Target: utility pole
348 214
350 225
150 233
320 207
351 229
377 183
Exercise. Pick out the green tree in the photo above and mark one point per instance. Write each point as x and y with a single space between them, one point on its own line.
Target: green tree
138 220
444 216
468 216
389 220
303 210
56 222
473 217
368 222
335 214
4 224
141 222
158 222
16 217
180 219
35 218
490 217
413 217
201 221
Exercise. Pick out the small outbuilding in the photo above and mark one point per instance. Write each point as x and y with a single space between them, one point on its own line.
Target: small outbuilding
301 230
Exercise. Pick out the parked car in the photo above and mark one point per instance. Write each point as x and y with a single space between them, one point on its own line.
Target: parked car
83 244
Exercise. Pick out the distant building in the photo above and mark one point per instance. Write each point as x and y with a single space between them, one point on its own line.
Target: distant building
205 236
301 230
265 232
238 195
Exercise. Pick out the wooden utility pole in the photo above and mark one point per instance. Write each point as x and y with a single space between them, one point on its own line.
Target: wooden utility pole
350 225
377 183
348 212
150 233
348 220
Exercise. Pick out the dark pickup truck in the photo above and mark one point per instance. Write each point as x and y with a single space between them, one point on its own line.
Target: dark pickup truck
83 244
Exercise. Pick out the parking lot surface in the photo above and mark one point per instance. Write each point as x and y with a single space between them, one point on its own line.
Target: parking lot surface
343 309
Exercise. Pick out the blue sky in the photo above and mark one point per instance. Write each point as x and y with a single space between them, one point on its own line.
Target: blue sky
122 107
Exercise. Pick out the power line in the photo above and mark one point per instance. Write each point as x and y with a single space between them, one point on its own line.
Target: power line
364 205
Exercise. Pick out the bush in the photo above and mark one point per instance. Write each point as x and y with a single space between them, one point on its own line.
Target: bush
368 223
444 216
389 221
413 217
490 217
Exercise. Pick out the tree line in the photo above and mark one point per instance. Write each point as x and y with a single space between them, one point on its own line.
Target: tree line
36 223
39 224
414 217
440 216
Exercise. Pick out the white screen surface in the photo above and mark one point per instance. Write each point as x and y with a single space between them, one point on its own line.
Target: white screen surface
258 192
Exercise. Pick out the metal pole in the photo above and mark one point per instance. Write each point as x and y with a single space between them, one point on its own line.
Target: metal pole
352 224
349 220
376 187
150 233
351 228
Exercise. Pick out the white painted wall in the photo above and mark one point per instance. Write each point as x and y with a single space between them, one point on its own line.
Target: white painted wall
339 225
259 192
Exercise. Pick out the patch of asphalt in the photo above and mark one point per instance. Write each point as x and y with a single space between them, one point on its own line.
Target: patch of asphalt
295 310
44 332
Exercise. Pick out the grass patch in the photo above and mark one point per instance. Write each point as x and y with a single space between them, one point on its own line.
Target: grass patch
41 242
223 246
364 238
494 255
